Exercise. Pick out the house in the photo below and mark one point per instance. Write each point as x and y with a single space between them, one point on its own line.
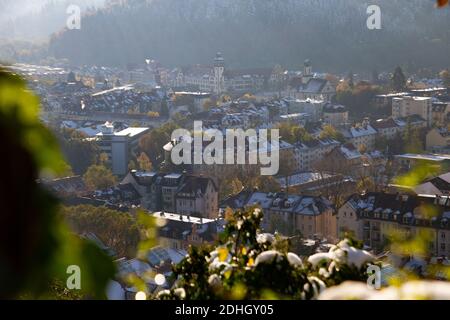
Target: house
176 192
290 214
309 106
374 216
440 111
308 153
387 128
180 231
408 161
438 140
345 159
68 186
335 115
407 106
361 136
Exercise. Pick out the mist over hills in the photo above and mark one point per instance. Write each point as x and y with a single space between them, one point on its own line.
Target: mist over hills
255 33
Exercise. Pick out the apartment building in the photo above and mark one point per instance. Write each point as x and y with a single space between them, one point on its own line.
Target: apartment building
373 217
119 145
179 193
407 106
290 214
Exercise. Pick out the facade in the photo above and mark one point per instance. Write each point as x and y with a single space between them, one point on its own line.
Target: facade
308 153
335 115
312 217
438 140
374 216
311 87
440 111
363 135
313 108
181 231
178 193
407 106
119 146
387 128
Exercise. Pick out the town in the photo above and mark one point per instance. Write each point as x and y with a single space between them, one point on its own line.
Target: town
205 173
345 142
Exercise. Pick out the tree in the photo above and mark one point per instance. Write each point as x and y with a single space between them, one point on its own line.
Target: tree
288 167
208 104
330 132
247 264
267 184
362 149
35 245
132 165
398 80
99 177
117 230
79 152
445 76
144 162
231 187
103 159
153 142
164 108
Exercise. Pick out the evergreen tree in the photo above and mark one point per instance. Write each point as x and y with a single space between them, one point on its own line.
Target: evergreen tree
398 80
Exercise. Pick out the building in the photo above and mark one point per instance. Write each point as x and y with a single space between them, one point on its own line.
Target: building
387 128
407 106
217 79
312 217
335 115
373 217
311 87
408 161
440 111
178 193
119 146
385 100
438 141
315 183
308 153
346 159
180 231
313 108
433 186
361 136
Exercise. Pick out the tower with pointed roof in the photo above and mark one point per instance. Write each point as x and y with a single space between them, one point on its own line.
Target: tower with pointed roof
219 69
307 71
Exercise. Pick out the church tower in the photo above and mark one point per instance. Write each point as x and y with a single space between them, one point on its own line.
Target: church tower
219 79
307 71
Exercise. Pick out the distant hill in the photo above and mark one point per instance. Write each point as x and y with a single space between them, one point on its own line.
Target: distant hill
255 33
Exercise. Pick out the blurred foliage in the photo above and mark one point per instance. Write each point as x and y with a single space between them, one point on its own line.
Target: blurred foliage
249 265
35 246
117 230
99 177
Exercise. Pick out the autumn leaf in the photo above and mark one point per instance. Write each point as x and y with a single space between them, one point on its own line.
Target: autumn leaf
442 3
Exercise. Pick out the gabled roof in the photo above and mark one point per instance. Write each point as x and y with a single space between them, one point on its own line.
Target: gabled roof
384 124
314 85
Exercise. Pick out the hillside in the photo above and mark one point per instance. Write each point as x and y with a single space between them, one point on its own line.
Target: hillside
254 33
